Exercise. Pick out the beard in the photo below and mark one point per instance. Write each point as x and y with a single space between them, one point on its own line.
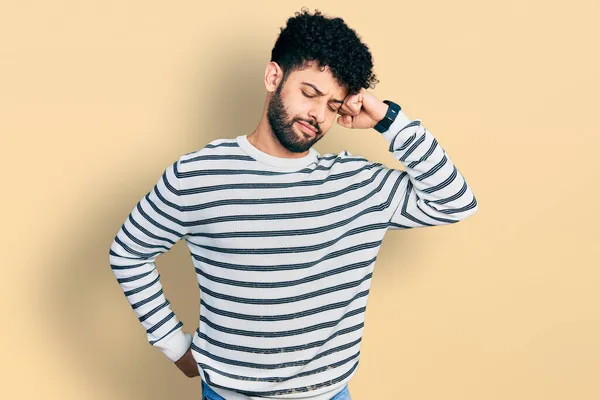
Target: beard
282 126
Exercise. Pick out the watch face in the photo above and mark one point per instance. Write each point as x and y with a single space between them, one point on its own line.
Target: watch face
389 117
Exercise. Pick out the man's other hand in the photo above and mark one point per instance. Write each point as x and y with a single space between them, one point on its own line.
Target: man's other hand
187 364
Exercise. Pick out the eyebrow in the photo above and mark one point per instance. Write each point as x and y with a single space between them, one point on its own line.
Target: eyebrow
321 93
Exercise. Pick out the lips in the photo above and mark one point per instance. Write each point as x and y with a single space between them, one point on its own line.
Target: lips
307 126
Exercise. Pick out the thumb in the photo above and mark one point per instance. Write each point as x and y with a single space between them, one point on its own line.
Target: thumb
345 121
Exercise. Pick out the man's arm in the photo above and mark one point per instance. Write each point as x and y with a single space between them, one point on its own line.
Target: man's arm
431 191
154 225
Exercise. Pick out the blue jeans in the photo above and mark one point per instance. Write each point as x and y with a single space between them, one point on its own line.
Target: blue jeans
209 394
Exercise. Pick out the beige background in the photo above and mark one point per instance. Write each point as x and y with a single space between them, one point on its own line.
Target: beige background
97 97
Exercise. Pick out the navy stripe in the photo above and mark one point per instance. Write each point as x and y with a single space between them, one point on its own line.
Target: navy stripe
280 334
294 363
154 311
284 200
329 382
284 300
284 317
286 267
298 249
280 284
280 349
177 326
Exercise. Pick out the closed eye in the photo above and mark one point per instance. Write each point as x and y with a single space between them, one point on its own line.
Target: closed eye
312 97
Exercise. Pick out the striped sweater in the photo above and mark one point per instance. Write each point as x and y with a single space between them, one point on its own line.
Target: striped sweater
284 251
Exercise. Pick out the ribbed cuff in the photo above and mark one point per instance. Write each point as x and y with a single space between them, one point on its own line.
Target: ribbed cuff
400 122
176 345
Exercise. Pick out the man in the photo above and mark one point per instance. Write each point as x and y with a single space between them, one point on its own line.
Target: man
284 239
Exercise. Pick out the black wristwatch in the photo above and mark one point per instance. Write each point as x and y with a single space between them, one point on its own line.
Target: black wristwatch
390 116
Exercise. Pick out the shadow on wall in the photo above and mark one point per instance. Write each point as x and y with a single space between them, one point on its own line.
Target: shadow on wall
86 314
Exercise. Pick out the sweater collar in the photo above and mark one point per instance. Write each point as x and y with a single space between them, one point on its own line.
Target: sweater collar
279 162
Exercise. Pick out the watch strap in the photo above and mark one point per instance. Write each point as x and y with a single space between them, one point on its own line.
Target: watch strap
390 116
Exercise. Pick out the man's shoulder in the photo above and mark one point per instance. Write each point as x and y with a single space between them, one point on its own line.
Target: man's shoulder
347 161
345 157
213 150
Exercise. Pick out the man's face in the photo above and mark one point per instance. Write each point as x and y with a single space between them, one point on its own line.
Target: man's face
298 99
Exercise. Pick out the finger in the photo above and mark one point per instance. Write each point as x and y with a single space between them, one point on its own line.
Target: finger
345 121
355 106
352 105
346 110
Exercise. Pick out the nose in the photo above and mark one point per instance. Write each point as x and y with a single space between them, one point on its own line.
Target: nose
317 114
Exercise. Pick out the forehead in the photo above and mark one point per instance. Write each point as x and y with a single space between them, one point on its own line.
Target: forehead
322 79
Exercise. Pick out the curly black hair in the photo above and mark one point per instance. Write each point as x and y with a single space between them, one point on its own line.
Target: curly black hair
328 42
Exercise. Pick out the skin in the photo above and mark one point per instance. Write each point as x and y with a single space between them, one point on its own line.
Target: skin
279 135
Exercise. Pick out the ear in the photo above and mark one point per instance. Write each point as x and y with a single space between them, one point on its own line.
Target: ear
273 76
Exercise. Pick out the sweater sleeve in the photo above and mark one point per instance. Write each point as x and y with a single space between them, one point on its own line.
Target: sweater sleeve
154 225
431 191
